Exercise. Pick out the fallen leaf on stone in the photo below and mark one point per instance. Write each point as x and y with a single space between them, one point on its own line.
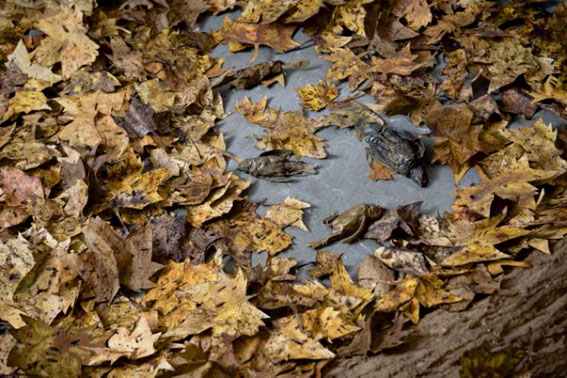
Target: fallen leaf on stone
317 97
288 213
379 172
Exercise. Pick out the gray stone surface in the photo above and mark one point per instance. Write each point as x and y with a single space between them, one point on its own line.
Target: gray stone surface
342 180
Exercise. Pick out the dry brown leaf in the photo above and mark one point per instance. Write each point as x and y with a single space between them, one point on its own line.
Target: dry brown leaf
317 97
136 344
379 172
17 188
66 42
194 298
288 213
237 35
289 342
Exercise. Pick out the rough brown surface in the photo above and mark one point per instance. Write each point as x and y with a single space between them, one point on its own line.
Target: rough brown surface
528 313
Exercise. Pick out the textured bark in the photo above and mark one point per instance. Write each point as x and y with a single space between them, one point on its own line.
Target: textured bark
529 312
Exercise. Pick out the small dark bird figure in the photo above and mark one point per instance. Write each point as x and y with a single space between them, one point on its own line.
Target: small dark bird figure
399 151
349 224
276 166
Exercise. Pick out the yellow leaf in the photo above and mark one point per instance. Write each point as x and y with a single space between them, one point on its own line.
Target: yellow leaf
289 342
288 213
401 294
136 344
219 202
429 292
351 15
325 323
317 97
66 42
7 342
194 298
16 261
276 36
296 139
22 60
25 102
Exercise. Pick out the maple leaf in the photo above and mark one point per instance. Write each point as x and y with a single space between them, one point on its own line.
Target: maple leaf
210 299
16 187
317 97
347 65
136 344
99 267
265 11
351 15
288 342
288 213
238 35
16 261
24 102
401 63
66 42
22 59
62 216
512 184
7 342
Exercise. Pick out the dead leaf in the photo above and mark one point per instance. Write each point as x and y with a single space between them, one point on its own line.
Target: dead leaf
288 213
317 97
66 42
136 344
379 172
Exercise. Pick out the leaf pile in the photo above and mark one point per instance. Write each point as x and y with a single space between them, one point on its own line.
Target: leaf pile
126 245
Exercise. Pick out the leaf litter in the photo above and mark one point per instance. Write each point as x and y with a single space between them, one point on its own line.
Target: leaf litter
118 213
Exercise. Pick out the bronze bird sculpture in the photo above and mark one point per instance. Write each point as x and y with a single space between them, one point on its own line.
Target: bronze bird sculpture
399 151
349 225
276 166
